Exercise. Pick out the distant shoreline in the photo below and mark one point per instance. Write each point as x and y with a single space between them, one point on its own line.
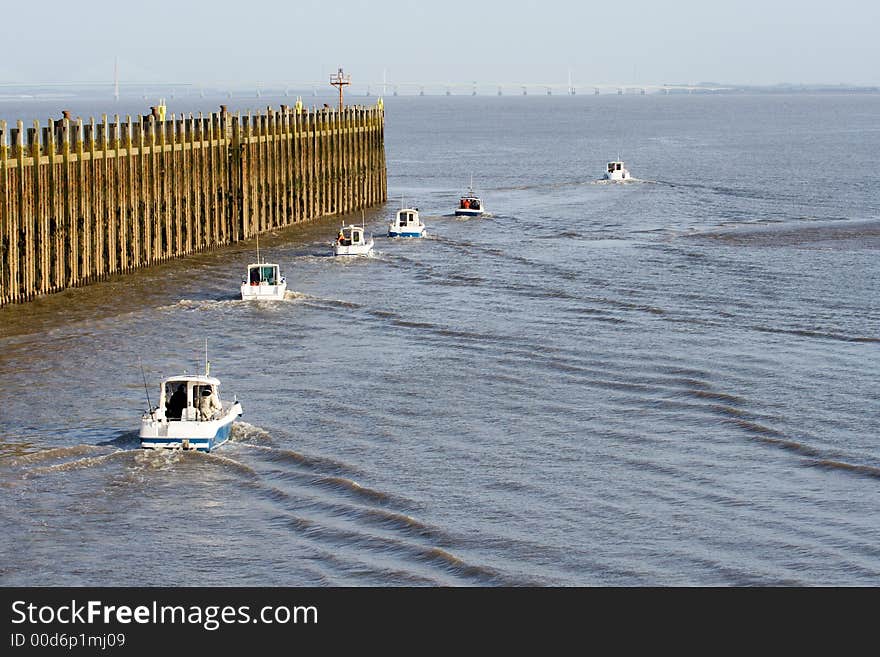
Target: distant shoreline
38 91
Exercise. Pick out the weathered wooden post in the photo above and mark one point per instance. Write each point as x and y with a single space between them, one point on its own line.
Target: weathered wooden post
246 207
6 237
51 228
79 212
235 179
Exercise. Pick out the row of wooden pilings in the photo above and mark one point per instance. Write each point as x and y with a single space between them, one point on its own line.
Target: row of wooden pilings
80 201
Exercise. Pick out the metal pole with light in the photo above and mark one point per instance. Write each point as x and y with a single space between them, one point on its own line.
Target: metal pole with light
340 80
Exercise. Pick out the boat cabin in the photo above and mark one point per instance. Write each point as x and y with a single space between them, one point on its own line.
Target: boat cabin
469 203
190 398
263 274
615 166
408 218
350 236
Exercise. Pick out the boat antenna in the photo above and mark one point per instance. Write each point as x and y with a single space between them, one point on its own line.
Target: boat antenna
207 362
146 387
258 249
363 224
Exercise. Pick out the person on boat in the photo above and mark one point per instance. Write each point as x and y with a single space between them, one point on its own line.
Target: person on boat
176 403
342 240
466 204
475 204
208 404
255 276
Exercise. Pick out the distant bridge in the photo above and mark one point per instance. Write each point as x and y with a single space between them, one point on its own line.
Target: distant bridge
367 89
523 89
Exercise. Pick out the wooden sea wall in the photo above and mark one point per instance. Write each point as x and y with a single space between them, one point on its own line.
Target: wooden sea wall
80 201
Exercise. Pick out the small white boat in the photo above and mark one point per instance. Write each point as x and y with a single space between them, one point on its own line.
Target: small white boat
263 280
470 205
616 171
407 224
190 415
351 241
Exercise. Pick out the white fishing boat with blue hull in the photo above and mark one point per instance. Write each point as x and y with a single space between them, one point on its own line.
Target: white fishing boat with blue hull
407 224
470 205
190 415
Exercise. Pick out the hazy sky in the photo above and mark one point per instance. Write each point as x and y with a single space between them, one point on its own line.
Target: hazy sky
497 41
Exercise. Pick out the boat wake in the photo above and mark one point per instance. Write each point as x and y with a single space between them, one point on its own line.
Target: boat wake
244 432
463 217
78 463
321 301
628 181
53 454
201 304
370 530
805 232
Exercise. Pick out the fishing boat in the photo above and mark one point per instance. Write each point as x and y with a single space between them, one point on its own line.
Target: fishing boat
470 205
616 171
351 241
190 414
407 224
263 281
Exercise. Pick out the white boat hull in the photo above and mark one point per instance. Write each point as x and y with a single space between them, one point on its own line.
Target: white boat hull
353 249
188 434
410 231
462 212
263 292
618 175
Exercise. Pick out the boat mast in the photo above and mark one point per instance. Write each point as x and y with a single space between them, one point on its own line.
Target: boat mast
207 363
146 388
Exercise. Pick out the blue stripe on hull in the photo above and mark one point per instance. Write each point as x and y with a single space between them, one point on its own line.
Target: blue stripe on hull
219 438
404 234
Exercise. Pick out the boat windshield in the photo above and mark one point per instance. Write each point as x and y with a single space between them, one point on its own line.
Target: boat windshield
176 399
191 400
263 274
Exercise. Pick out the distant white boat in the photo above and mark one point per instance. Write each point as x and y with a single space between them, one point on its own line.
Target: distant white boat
190 415
470 205
616 171
407 224
263 281
352 241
